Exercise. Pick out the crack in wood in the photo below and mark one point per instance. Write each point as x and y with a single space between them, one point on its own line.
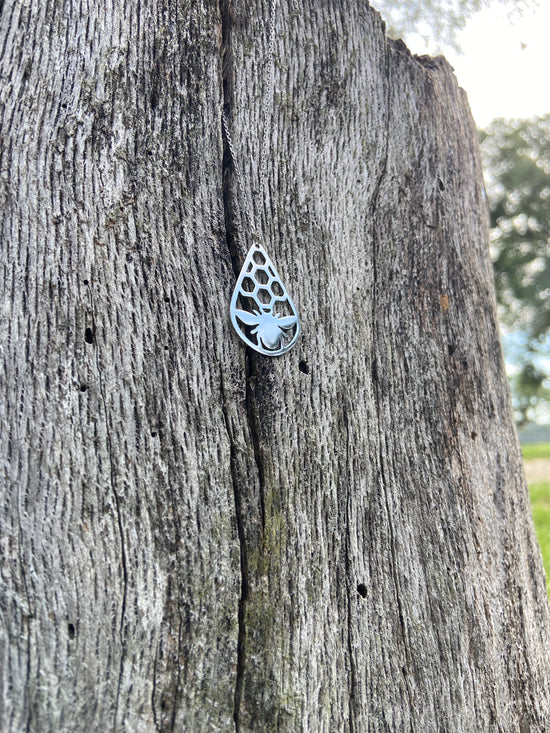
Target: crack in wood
251 371
228 206
241 612
254 426
154 691
376 193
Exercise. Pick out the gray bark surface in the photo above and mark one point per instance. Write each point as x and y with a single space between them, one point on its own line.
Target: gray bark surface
197 538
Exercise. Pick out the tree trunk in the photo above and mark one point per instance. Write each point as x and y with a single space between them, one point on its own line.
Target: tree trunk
196 537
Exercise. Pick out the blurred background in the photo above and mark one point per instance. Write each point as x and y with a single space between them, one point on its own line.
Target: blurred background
501 55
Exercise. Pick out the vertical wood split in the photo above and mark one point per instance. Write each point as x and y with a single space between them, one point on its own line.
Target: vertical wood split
232 240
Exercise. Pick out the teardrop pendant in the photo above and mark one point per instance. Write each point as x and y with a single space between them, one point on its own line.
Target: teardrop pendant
262 311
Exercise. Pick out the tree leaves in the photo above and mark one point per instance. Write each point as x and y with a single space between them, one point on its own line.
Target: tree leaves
436 21
516 156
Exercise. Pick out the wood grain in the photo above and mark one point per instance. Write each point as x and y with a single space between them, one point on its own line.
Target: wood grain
198 538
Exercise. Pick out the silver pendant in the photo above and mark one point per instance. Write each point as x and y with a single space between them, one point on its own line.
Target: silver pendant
262 311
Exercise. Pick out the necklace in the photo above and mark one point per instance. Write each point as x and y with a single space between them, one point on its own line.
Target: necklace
261 310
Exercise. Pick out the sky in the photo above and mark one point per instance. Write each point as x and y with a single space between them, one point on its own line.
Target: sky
505 62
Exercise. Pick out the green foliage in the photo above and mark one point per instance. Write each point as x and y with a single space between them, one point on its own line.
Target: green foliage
540 506
517 163
436 21
516 157
535 450
528 391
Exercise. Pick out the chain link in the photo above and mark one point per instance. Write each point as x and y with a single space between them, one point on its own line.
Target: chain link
245 206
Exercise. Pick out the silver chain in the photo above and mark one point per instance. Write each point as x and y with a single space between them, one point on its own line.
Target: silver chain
244 198
269 105
245 204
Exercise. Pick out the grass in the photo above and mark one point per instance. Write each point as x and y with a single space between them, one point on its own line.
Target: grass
535 450
539 491
540 506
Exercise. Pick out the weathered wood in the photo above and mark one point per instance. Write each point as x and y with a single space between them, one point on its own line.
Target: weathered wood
199 538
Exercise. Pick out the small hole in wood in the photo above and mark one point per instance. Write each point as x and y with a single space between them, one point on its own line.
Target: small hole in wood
474 435
166 299
303 366
440 184
451 348
85 282
362 590
89 336
72 631
153 433
83 387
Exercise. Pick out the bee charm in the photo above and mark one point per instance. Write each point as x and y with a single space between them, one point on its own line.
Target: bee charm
262 311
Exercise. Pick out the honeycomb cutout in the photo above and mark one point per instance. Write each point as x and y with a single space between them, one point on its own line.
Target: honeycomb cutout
262 284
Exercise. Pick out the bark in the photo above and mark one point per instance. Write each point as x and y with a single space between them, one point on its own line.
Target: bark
196 537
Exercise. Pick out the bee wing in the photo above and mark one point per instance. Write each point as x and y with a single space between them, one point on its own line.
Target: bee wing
248 318
287 321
